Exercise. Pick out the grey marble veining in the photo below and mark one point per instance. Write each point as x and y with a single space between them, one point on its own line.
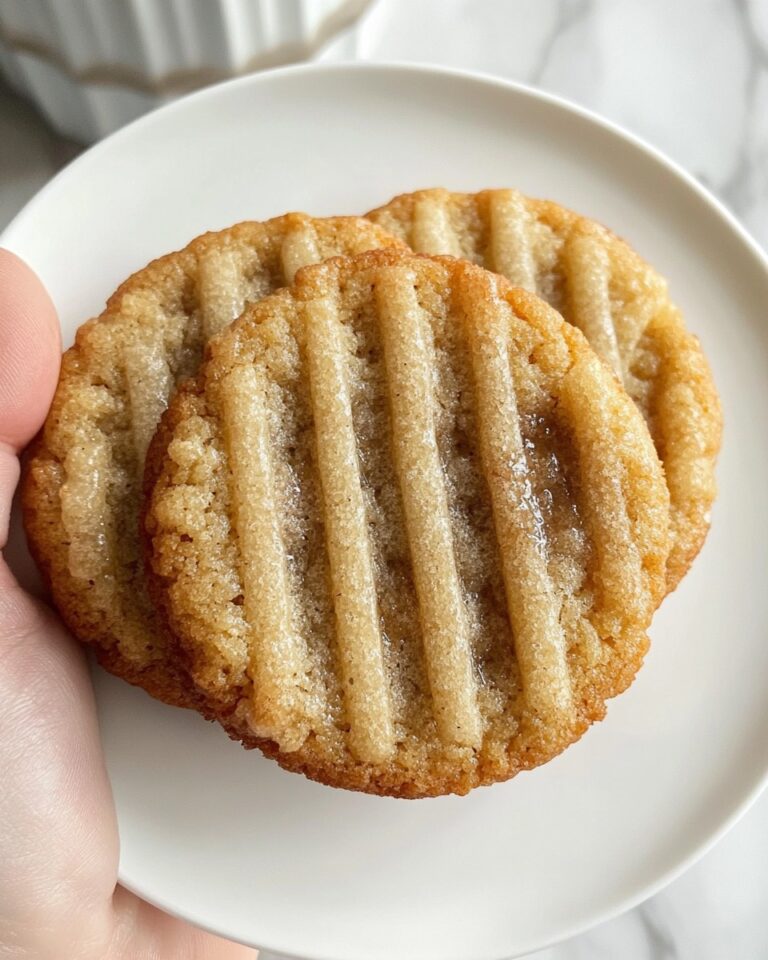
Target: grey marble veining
691 77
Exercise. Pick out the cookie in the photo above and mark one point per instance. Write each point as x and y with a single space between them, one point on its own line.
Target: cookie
83 482
621 304
407 529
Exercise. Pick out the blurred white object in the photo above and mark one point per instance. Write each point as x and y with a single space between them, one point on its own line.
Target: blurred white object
91 66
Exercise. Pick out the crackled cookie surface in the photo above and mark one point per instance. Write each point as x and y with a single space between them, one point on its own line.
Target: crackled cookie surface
406 528
83 483
602 286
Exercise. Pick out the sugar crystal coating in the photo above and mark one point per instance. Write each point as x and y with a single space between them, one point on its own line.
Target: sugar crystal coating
620 304
465 520
82 488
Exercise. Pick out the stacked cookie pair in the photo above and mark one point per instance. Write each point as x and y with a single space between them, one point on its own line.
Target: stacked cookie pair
393 499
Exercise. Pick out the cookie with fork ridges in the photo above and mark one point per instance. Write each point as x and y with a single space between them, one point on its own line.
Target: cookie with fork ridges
407 530
83 482
599 284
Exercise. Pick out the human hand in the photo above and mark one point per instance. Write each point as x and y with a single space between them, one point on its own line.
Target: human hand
59 898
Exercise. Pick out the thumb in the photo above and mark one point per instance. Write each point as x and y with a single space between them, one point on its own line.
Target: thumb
58 842
30 348
30 345
49 745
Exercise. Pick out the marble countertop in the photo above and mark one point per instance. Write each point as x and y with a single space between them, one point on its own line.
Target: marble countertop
691 77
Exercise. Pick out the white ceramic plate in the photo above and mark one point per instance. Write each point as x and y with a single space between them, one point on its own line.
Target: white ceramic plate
224 837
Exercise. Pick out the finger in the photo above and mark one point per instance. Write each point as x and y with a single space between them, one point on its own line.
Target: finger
49 744
30 348
58 839
9 477
30 352
55 784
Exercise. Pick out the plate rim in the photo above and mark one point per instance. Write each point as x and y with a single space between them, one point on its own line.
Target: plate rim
749 246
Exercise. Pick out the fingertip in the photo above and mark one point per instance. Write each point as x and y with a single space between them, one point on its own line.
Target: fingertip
30 347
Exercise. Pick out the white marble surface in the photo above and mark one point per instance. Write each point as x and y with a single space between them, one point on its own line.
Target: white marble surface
691 76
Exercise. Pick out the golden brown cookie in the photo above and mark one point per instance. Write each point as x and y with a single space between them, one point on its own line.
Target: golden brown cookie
621 304
83 482
406 527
